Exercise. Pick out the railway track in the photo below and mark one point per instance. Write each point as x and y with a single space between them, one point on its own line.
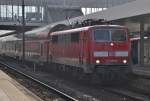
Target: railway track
62 95
126 94
129 94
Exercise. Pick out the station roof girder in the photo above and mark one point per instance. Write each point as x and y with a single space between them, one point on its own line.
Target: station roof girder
67 3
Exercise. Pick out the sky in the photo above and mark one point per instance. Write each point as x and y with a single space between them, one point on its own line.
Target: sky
91 10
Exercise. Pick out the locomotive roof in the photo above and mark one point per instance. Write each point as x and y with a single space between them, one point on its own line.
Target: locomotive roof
43 32
85 28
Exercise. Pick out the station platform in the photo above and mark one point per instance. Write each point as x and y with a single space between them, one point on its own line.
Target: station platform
11 90
141 70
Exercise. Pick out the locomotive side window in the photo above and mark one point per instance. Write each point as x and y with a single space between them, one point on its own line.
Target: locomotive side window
102 35
64 39
75 37
118 35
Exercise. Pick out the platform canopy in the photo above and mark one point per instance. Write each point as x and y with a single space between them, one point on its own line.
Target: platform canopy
132 9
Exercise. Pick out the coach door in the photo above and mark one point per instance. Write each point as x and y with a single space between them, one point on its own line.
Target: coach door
47 50
41 49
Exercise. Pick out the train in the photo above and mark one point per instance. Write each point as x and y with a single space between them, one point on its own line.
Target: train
101 50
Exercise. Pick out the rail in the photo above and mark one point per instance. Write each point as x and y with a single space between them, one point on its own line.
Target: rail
61 94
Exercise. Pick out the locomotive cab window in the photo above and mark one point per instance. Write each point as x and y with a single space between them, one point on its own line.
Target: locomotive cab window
101 35
110 35
118 35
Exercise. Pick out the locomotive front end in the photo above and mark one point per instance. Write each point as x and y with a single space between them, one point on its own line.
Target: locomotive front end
111 50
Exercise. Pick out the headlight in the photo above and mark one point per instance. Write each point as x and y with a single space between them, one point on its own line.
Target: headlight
97 61
111 44
124 61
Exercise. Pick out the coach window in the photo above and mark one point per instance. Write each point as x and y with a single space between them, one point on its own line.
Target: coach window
61 39
54 39
67 38
75 37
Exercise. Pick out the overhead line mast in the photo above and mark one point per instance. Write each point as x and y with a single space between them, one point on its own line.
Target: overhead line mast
23 31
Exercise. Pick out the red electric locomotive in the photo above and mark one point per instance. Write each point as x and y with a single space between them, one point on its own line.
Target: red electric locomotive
100 49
